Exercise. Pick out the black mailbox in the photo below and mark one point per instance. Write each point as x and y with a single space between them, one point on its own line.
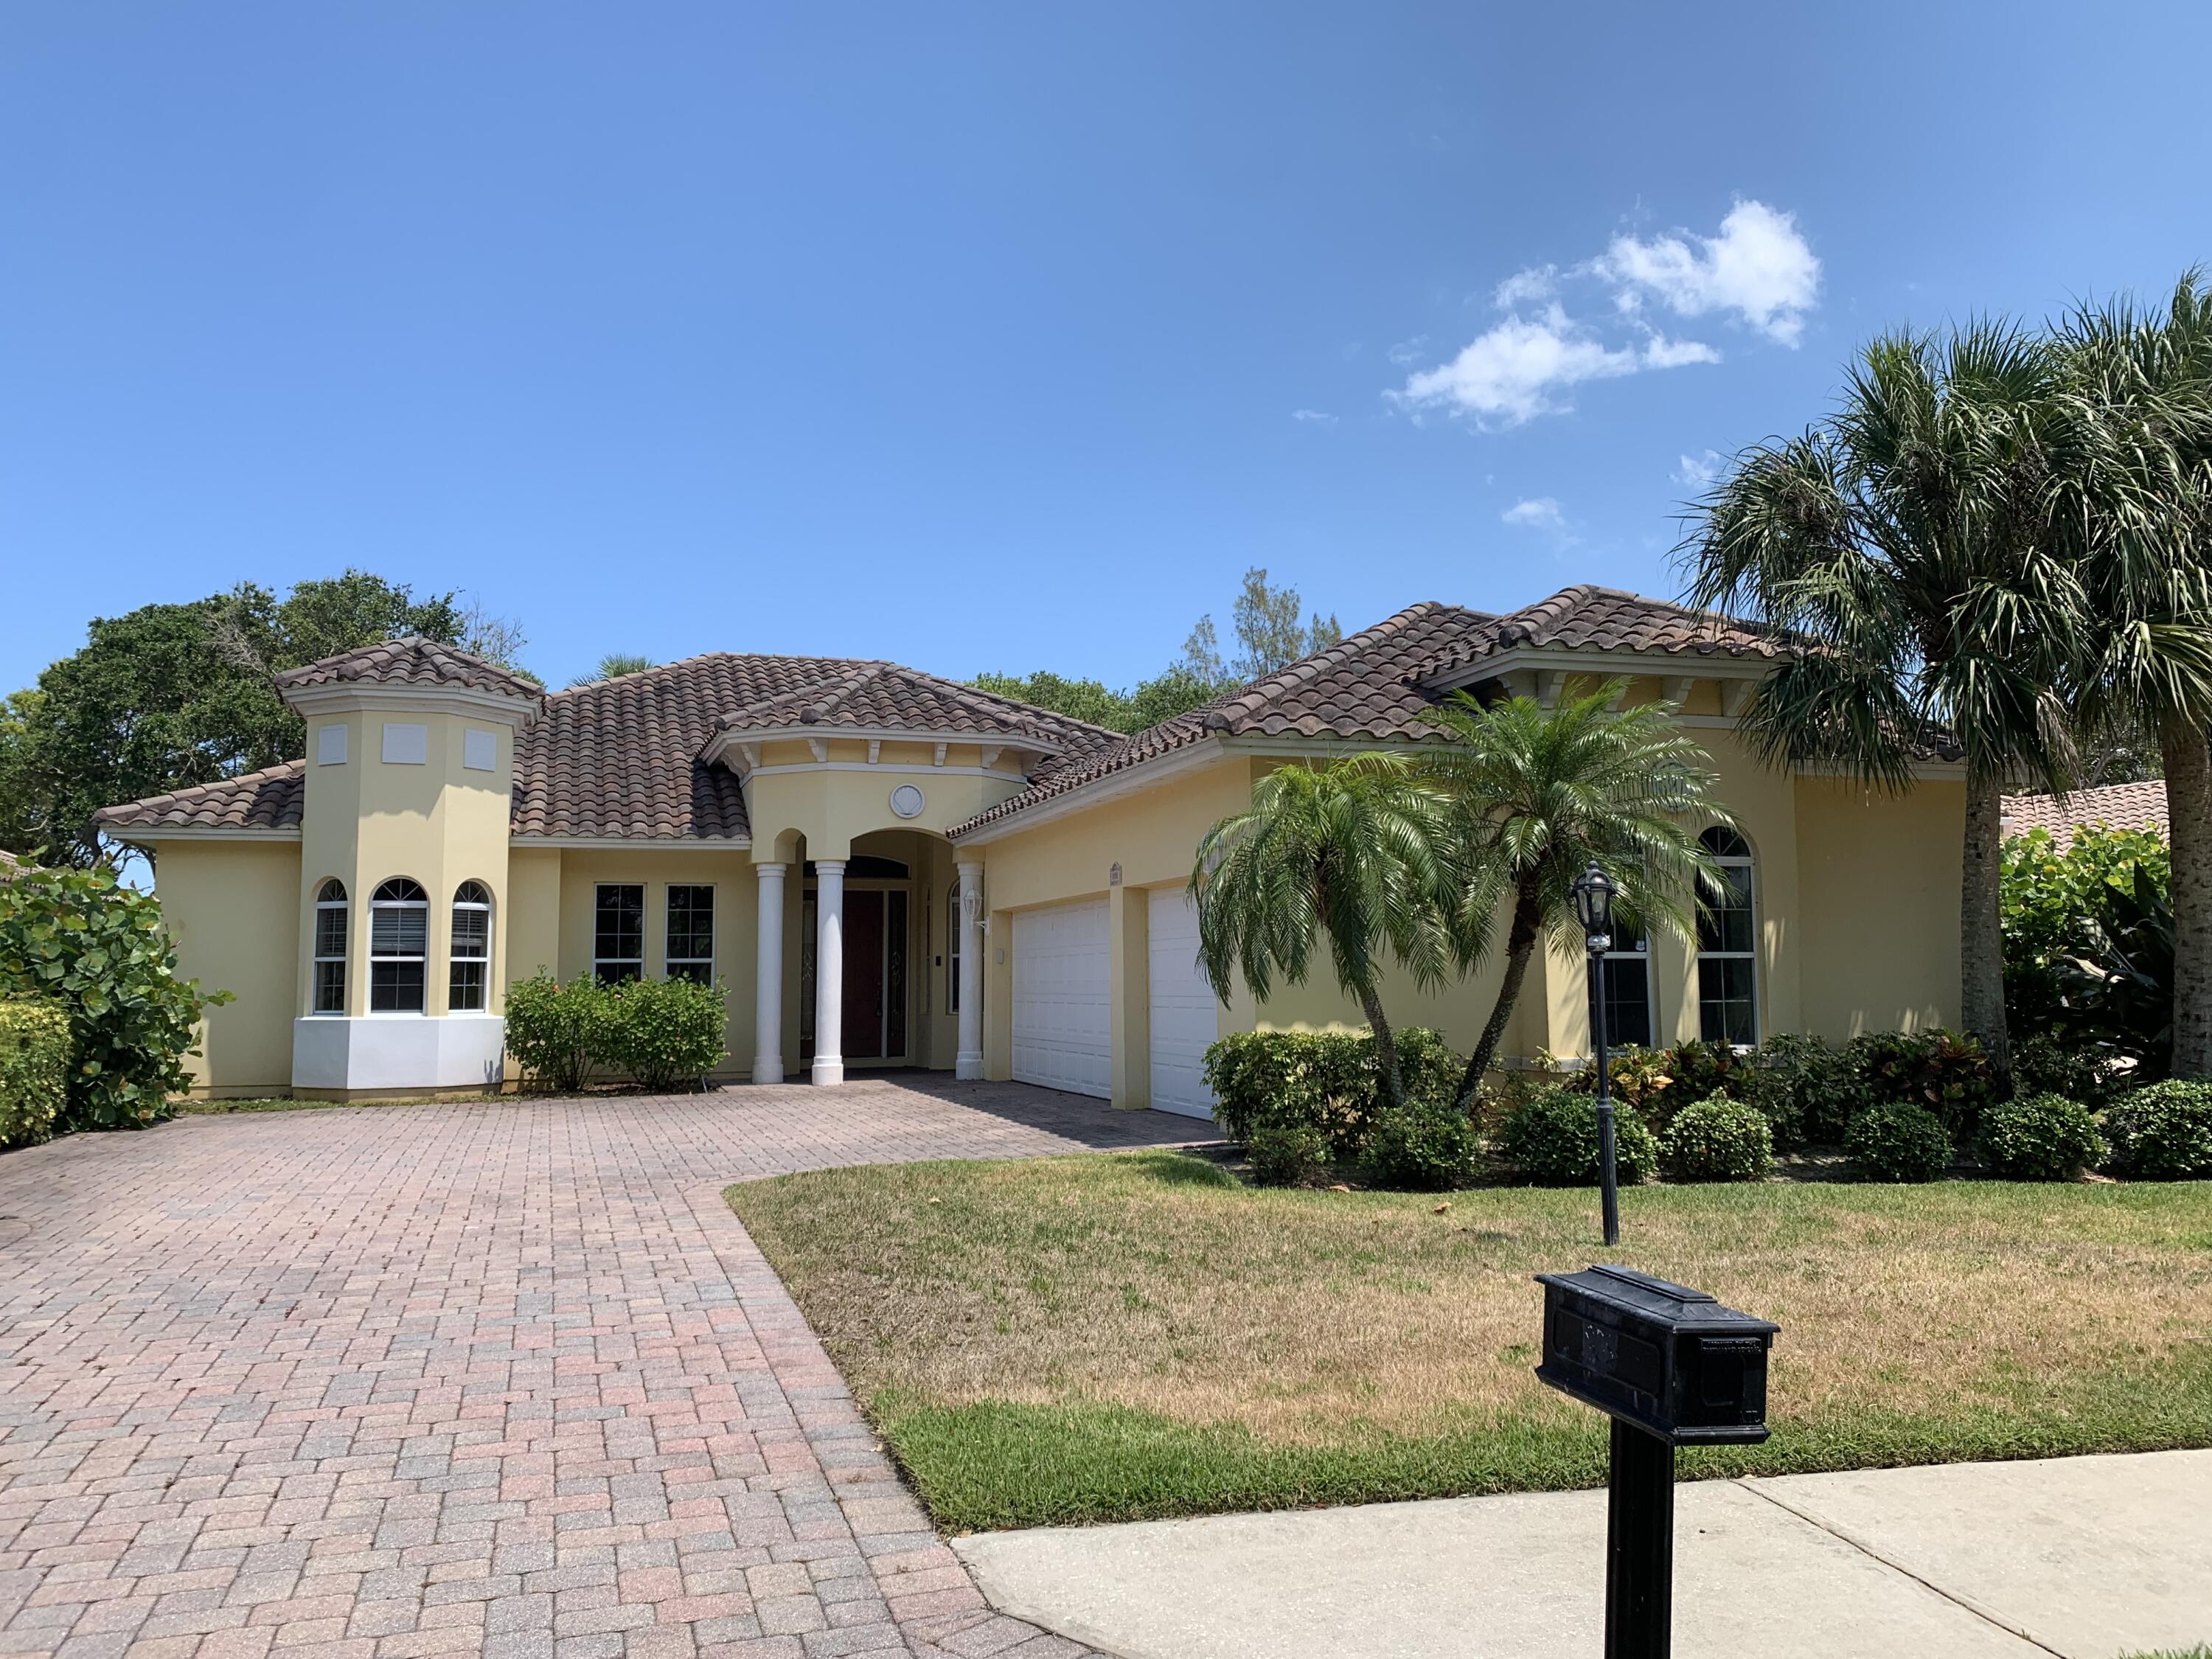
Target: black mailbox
1669 1359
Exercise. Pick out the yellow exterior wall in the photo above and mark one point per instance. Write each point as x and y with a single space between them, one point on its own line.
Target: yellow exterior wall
231 908
367 821
1880 904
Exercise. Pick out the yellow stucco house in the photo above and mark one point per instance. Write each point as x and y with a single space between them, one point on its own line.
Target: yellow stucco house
889 869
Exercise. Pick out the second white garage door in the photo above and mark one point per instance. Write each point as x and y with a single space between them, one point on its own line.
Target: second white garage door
1185 1019
1063 999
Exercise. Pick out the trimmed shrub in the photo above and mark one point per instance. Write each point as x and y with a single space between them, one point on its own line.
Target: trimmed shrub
1551 1138
35 1052
1286 1153
1812 1090
1718 1140
665 1031
1940 1070
2162 1132
97 950
2045 1064
1325 1080
557 1032
1422 1148
1897 1141
2041 1137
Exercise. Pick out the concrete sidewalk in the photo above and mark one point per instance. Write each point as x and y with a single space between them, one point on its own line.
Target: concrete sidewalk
2088 1556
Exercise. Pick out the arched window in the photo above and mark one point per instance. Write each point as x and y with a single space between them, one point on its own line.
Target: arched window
954 932
330 918
399 946
1727 947
471 951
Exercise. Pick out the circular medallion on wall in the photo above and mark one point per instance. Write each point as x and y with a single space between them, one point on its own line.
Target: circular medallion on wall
907 801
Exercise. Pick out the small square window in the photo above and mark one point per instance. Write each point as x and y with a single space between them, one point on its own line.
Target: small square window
330 744
480 750
406 743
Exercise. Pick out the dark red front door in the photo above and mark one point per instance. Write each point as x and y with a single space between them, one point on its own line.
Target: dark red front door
864 974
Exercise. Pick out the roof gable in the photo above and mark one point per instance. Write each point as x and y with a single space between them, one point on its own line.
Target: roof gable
412 661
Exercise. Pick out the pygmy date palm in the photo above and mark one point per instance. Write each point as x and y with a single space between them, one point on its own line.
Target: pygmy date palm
1354 853
1538 793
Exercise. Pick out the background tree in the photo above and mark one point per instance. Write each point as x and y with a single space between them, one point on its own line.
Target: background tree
613 666
1537 794
2144 520
1911 541
169 695
1356 853
1269 636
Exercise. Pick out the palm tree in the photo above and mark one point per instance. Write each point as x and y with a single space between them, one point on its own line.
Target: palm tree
614 666
1538 793
1357 852
2145 519
1914 540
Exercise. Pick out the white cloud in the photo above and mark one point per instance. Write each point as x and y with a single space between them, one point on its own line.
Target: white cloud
1757 270
1758 267
1700 472
1526 287
1314 416
1536 513
1521 368
1406 351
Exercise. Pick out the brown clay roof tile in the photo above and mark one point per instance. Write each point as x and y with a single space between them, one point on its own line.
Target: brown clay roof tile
2116 805
411 661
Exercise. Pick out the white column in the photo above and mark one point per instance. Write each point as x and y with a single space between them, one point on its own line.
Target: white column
767 989
969 1063
829 970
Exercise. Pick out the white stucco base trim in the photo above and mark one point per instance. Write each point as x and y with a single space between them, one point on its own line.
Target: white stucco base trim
398 1051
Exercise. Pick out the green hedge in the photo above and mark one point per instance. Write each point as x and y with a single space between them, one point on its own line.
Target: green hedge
98 951
1897 1141
2041 1137
662 1032
1324 1081
1551 1137
2162 1132
34 1054
1718 1140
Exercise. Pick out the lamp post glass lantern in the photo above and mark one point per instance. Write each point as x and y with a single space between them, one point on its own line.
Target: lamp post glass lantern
1593 893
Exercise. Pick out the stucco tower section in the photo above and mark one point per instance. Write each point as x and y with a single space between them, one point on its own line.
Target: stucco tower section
407 791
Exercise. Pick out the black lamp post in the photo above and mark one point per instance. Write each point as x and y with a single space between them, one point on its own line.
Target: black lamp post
1594 896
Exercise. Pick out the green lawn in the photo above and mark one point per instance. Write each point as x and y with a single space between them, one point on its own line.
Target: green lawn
1119 1336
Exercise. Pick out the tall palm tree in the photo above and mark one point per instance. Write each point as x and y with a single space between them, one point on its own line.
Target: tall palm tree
1356 851
2145 519
1914 540
1538 793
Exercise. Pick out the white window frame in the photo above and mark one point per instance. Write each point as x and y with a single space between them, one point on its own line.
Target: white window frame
455 960
342 907
599 963
377 903
670 961
1748 862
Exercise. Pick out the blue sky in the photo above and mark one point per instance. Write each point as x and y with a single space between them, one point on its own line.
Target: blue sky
980 338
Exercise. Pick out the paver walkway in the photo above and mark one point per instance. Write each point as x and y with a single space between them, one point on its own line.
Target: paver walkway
507 1379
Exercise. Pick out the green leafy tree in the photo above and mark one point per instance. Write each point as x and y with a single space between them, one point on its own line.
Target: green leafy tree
1537 794
1174 691
97 950
1915 542
169 695
2144 542
1355 854
1091 701
613 666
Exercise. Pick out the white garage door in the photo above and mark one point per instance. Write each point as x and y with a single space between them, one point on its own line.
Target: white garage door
1184 1014
1063 999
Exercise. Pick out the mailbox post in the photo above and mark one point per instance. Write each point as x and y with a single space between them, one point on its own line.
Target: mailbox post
1672 1367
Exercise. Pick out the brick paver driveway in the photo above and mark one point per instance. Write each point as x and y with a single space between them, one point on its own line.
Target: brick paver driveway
507 1379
